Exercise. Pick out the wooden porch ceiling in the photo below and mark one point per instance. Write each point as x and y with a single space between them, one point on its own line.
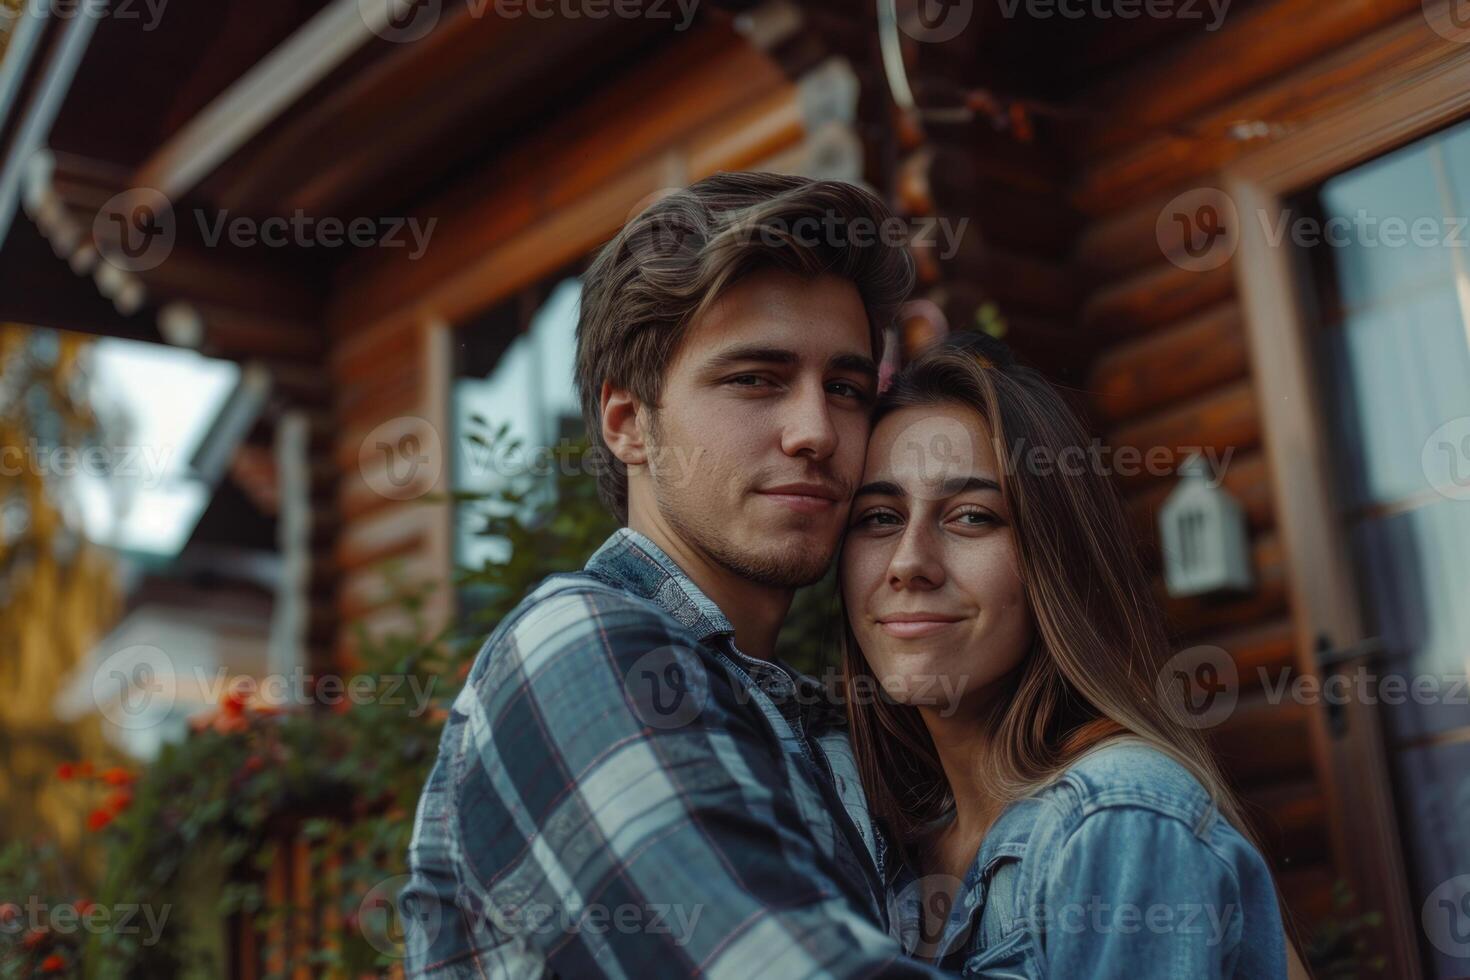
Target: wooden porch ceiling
373 135
373 132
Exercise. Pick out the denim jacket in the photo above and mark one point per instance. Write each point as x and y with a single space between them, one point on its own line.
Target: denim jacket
1123 867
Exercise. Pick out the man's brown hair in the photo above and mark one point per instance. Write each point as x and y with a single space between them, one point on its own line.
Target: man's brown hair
677 256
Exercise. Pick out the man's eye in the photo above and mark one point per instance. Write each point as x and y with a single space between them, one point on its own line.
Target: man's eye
746 381
848 390
877 517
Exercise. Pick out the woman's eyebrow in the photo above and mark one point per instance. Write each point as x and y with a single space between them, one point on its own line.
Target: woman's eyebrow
880 488
967 484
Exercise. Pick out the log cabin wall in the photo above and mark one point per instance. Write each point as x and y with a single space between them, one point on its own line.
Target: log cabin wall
1173 369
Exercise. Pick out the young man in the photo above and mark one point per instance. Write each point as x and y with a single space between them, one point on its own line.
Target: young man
629 785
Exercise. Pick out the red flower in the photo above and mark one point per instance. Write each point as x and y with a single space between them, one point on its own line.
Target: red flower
118 777
85 905
53 964
98 819
34 938
9 912
254 764
117 802
232 703
65 771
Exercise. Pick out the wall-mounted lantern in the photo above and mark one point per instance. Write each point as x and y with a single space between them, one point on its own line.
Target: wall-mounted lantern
1206 546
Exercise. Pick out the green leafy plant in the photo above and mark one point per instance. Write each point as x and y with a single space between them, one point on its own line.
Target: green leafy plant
347 779
1339 946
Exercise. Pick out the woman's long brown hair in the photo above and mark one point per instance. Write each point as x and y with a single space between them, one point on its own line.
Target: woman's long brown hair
1100 640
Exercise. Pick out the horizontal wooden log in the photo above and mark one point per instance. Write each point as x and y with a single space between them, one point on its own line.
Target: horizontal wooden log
393 532
1250 46
1405 51
1017 281
1051 344
1163 294
1000 158
1261 743
369 589
1172 363
1116 246
1262 651
1015 218
1290 820
1220 421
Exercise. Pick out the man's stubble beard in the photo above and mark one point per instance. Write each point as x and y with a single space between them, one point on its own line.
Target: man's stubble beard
790 567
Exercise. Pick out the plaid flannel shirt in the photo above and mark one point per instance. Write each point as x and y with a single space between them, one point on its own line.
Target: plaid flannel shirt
621 792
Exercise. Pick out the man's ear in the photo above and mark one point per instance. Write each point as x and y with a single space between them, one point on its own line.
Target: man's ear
621 429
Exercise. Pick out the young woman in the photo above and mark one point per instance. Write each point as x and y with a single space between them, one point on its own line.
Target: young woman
1047 815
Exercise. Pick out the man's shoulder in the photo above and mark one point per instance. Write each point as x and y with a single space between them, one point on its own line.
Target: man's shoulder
565 615
567 605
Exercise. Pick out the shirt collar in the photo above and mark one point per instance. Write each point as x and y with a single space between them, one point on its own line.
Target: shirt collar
629 560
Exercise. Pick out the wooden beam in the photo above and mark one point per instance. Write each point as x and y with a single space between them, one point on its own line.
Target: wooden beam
260 95
550 201
1252 45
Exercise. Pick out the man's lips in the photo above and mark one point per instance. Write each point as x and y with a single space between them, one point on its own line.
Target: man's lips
806 497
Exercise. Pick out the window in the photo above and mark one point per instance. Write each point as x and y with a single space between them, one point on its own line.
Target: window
522 380
1392 340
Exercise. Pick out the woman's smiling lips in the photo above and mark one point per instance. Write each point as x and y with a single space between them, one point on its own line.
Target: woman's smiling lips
910 625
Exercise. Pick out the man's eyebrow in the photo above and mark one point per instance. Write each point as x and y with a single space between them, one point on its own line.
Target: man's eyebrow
744 353
747 353
949 488
854 362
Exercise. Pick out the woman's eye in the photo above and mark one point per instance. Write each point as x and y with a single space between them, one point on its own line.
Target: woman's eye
876 517
976 518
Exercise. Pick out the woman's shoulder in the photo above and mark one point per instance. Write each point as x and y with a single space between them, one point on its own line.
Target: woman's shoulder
1129 774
